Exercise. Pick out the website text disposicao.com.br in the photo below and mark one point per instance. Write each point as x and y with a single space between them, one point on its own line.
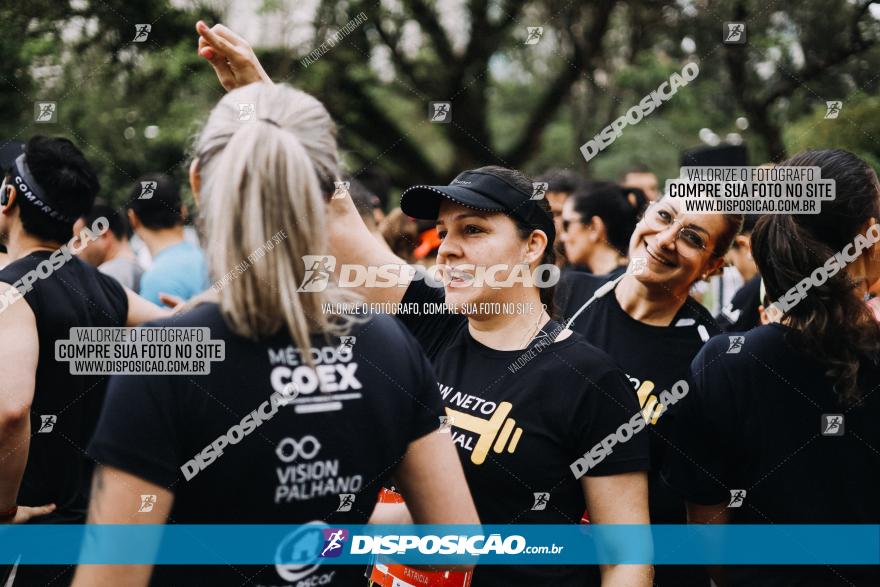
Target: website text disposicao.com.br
449 544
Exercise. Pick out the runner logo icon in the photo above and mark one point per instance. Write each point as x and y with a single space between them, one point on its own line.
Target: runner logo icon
47 423
832 424
736 344
318 271
737 496
346 500
333 540
147 503
541 500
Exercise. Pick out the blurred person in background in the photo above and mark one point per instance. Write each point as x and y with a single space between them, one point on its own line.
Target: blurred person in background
597 223
366 203
561 183
792 417
48 414
742 313
110 252
647 322
375 180
156 214
641 177
401 234
254 178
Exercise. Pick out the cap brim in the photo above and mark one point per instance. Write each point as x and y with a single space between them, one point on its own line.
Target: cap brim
423 201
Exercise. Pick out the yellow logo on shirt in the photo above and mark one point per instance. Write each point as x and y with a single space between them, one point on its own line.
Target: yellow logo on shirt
493 433
652 409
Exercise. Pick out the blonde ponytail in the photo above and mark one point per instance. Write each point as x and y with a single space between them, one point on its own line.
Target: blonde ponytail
263 210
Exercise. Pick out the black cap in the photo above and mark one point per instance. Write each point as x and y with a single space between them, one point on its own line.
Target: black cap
481 191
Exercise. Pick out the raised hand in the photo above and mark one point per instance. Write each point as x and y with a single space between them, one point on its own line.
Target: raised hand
231 56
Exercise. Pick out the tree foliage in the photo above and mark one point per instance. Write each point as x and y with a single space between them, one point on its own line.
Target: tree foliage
522 105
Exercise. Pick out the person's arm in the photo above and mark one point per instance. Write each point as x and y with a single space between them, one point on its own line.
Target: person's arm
231 56
115 499
620 499
428 501
141 310
19 364
710 514
351 242
390 513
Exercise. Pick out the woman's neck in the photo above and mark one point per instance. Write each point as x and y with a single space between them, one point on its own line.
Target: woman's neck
655 304
604 260
509 332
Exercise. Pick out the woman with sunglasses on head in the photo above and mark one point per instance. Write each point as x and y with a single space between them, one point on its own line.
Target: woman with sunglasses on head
791 418
306 406
524 397
597 223
648 323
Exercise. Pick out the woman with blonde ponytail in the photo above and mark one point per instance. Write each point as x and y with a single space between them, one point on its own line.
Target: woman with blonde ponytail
785 415
307 407
557 396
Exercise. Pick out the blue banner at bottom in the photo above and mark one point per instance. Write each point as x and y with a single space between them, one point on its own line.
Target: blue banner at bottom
318 542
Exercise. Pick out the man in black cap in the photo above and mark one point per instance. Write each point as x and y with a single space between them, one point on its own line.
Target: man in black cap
47 415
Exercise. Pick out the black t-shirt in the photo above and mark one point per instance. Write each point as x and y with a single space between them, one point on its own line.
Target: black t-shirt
519 419
356 413
742 312
754 420
65 407
653 358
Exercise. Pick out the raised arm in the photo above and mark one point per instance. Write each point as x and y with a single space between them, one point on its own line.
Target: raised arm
231 56
351 242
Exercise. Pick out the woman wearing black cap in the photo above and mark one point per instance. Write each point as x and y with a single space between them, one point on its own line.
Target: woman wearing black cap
524 397
787 424
650 326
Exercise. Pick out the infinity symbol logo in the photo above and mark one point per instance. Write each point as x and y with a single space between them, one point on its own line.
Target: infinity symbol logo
289 449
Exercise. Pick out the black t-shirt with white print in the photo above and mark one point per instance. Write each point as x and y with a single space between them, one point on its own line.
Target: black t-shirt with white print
519 419
355 414
654 358
766 419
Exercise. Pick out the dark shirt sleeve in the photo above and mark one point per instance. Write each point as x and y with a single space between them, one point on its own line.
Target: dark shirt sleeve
431 326
115 294
695 463
426 404
574 290
607 403
138 430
